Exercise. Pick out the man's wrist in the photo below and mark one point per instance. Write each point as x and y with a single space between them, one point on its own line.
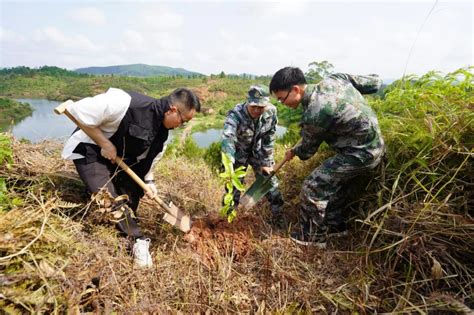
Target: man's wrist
149 181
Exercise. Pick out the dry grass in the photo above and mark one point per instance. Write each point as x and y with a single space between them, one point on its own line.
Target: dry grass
409 251
55 258
51 262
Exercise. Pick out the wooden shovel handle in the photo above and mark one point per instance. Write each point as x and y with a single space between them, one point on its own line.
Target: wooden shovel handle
279 165
282 162
62 108
144 186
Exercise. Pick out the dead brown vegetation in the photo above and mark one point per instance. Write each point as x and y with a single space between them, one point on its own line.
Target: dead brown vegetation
56 255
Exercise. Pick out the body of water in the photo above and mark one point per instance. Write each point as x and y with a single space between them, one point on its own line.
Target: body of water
44 124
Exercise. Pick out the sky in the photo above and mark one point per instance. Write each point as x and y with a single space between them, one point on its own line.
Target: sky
390 38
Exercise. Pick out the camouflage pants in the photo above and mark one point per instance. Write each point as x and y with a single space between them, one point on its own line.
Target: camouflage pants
326 191
274 196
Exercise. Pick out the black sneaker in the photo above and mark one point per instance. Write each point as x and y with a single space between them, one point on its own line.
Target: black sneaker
337 230
304 239
307 238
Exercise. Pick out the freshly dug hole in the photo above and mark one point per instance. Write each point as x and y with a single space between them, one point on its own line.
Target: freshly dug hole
212 235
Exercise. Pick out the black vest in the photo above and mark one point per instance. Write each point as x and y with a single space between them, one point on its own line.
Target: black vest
140 129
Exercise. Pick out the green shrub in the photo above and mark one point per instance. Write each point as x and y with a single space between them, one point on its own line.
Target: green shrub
188 148
11 110
6 151
212 156
6 158
420 206
288 116
428 126
291 136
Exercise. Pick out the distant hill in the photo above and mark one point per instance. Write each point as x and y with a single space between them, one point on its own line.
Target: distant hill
243 75
45 70
138 70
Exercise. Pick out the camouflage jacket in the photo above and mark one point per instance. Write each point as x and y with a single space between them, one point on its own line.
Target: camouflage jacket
248 141
334 111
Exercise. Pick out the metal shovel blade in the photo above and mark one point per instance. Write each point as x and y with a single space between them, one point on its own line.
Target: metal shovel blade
259 188
177 218
174 215
184 224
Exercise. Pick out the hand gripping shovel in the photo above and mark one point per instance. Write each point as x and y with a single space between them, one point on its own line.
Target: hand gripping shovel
173 215
259 188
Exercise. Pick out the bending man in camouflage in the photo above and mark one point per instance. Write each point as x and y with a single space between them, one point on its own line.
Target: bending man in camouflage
248 138
334 111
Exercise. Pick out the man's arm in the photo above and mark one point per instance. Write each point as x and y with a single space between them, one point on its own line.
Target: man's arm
149 177
268 141
365 84
229 136
108 150
310 141
103 111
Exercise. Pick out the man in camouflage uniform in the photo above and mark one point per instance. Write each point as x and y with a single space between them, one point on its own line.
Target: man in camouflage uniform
248 138
334 111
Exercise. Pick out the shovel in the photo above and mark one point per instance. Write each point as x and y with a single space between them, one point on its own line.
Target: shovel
173 215
259 188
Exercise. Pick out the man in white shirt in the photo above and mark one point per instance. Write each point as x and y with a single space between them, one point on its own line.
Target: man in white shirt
134 127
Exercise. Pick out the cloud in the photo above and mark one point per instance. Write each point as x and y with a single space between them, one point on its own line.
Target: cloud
154 37
244 36
157 48
231 52
53 37
203 57
132 41
279 37
10 36
89 15
285 9
160 18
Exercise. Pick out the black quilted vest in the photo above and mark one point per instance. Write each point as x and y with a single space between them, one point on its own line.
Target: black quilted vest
140 129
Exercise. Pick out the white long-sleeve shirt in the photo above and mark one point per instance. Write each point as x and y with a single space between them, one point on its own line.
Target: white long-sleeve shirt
104 111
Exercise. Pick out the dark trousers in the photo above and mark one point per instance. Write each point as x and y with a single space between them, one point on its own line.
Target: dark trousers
102 173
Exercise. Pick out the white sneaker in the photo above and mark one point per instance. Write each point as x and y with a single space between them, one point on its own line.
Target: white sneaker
141 253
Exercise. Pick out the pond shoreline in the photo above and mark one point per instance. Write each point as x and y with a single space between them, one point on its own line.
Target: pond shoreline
44 124
13 110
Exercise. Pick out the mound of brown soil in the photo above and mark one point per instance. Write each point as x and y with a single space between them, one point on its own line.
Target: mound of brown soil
204 94
213 237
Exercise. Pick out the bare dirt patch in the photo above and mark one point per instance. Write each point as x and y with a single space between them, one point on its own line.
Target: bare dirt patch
212 237
204 94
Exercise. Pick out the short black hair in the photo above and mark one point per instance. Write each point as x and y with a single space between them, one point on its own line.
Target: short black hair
285 78
187 98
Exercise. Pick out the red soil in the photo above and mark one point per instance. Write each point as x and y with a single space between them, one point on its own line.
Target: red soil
213 236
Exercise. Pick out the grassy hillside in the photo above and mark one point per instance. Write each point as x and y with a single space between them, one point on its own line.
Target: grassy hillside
138 70
62 87
11 110
409 250
216 93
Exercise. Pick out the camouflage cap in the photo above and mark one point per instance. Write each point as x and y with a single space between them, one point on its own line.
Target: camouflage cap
258 95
